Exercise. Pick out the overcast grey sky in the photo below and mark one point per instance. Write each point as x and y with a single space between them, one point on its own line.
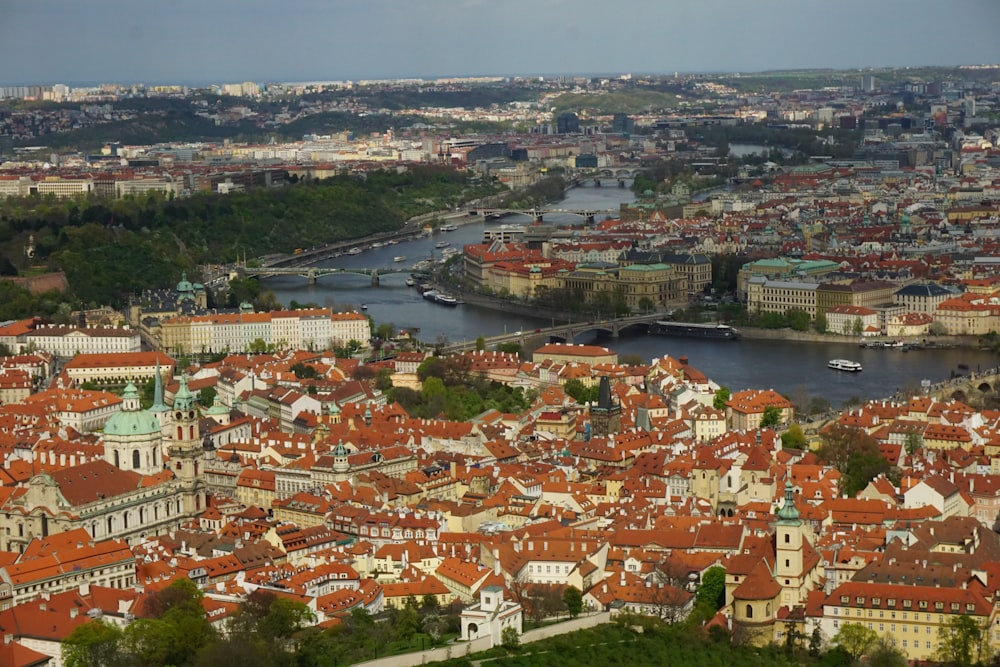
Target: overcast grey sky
69 41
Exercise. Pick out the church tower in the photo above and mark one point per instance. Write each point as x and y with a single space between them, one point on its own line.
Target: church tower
793 552
132 437
186 451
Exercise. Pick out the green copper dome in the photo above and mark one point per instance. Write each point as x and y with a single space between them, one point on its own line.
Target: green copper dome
130 420
217 408
184 285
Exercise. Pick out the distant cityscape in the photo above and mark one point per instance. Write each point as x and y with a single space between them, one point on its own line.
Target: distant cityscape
179 450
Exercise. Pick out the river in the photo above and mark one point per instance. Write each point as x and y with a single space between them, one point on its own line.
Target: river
790 368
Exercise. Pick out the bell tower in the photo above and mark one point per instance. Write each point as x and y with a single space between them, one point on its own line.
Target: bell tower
186 451
789 548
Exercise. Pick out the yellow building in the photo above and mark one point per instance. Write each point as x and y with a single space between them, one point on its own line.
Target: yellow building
909 616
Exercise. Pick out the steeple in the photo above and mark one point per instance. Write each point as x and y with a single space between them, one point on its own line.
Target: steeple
158 404
183 399
789 514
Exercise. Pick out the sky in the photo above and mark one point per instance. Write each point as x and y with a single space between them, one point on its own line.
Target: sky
220 41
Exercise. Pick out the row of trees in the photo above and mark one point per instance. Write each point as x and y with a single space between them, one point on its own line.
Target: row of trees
961 642
451 390
175 631
112 248
266 630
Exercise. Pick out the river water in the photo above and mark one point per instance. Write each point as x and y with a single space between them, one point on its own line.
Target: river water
792 369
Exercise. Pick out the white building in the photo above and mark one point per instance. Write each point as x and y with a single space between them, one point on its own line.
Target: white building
491 616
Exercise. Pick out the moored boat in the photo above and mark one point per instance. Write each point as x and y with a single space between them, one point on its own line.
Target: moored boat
695 330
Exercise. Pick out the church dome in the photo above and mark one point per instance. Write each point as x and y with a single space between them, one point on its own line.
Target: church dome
130 420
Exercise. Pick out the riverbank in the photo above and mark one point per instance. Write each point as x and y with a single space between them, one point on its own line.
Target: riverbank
751 333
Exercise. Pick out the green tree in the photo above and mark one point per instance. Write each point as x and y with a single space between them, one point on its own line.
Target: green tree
858 327
94 644
913 442
963 642
884 654
480 343
631 360
573 600
820 323
722 396
797 319
854 453
646 304
383 379
206 396
580 392
771 417
385 331
712 590
509 639
304 371
793 438
856 639
259 346
510 348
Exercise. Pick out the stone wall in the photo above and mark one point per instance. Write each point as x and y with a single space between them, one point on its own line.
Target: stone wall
460 649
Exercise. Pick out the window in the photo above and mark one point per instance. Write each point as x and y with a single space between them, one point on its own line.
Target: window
135 458
788 538
749 611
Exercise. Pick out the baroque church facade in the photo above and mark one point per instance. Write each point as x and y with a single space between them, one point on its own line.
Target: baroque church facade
149 482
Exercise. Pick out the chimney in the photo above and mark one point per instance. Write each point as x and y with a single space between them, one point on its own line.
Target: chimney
84 589
73 611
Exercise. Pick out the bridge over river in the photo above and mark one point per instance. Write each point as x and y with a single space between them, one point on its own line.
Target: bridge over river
562 332
312 273
980 389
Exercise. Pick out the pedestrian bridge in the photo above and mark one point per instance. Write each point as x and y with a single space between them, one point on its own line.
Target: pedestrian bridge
980 389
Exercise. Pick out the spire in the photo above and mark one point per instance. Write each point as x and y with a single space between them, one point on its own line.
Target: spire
158 404
183 399
789 513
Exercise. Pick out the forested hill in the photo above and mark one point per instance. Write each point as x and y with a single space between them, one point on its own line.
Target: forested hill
112 248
